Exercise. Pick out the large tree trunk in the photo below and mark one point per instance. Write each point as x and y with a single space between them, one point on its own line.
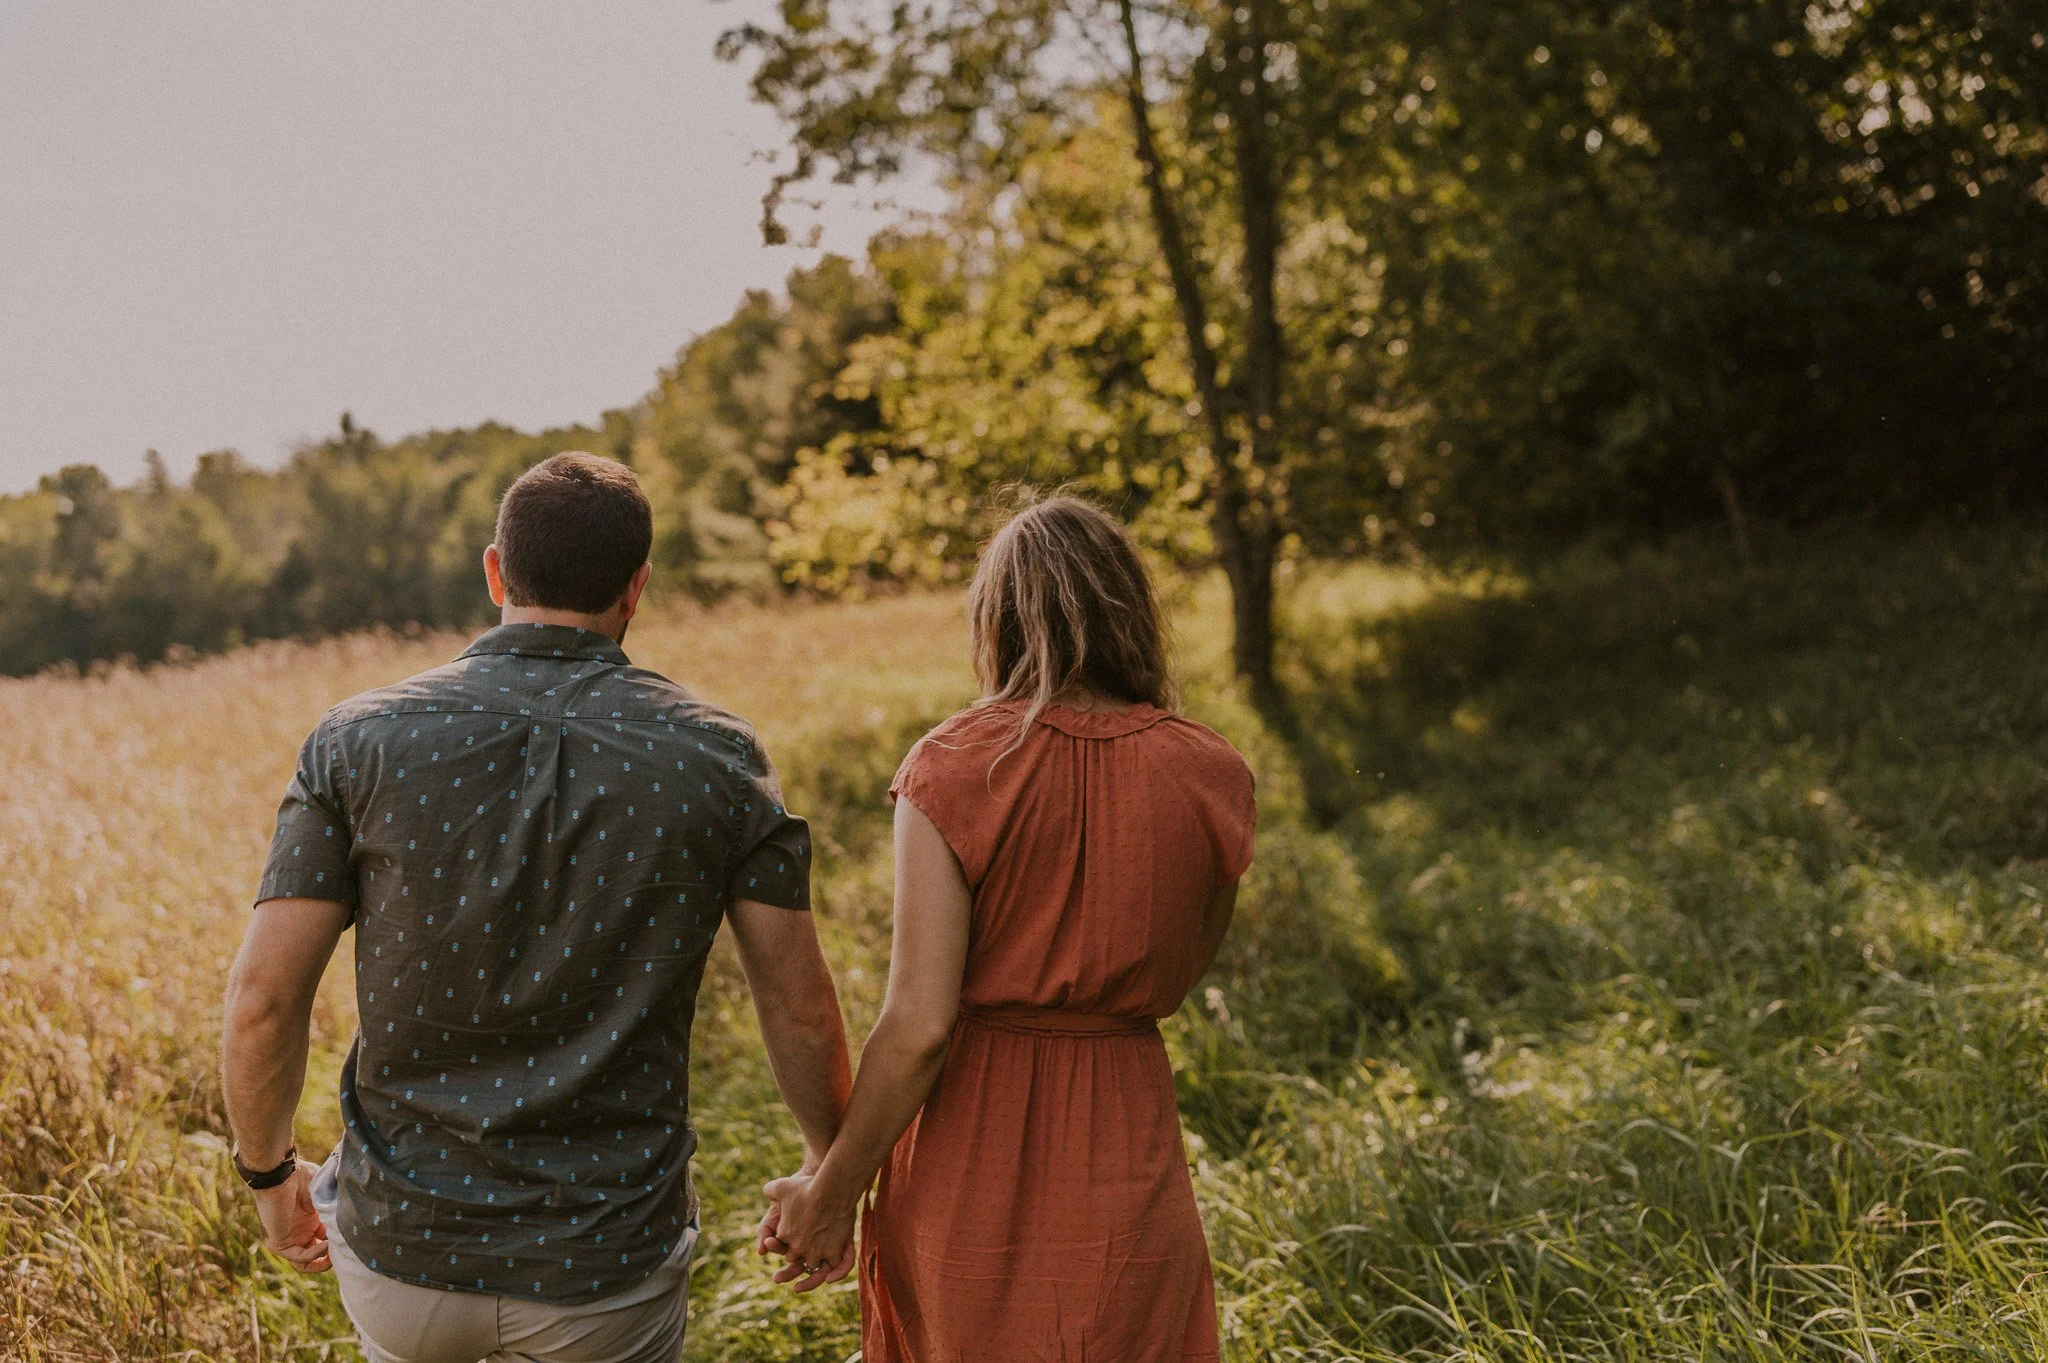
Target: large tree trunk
1250 571
1258 201
1242 526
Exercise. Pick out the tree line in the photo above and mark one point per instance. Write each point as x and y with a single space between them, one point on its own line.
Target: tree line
1274 277
355 531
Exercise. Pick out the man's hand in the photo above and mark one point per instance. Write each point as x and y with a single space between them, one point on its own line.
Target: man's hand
291 1228
815 1234
766 1239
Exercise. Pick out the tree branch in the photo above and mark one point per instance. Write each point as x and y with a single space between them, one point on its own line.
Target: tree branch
1166 225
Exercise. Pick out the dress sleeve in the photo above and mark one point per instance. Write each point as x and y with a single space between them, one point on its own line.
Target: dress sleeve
774 864
948 780
1224 792
1238 823
311 851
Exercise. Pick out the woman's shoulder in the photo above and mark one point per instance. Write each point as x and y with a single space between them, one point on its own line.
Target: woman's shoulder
972 736
1220 784
1193 741
981 725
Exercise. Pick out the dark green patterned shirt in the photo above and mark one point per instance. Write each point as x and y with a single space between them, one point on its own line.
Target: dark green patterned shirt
538 842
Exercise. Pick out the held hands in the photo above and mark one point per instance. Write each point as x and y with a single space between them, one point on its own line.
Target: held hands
814 1233
291 1228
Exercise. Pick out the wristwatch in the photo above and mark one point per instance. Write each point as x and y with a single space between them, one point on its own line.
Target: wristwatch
259 1179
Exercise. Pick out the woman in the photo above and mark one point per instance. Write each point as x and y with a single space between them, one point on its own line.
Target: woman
1067 857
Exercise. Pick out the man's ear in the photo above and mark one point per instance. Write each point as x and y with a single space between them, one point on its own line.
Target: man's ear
494 575
629 600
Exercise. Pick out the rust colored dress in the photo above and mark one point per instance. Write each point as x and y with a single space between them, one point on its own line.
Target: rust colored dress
1039 1209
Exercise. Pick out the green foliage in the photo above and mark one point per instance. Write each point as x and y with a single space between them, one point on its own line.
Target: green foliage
351 533
1645 261
1588 271
725 426
101 571
1582 269
1030 349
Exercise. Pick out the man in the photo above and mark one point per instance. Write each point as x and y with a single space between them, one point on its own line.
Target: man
535 845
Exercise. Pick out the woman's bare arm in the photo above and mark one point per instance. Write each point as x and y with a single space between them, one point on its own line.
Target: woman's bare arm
902 1058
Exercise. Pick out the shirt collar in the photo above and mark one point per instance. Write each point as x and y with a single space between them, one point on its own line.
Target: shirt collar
548 641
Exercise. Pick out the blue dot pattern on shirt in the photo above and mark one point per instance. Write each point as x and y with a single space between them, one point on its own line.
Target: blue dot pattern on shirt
538 842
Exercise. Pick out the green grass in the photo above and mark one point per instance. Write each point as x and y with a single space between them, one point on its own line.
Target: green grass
1641 962
1720 903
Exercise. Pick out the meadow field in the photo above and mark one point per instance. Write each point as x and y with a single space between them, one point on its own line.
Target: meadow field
1643 961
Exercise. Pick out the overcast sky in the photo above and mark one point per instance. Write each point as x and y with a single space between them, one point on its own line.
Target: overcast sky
222 224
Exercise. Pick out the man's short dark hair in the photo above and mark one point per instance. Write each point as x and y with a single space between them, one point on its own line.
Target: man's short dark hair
571 533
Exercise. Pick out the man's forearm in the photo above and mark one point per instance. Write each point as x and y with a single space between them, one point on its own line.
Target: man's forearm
269 1011
798 1007
263 1070
808 1056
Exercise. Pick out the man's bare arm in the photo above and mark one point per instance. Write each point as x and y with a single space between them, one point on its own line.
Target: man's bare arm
263 1058
798 1006
269 1012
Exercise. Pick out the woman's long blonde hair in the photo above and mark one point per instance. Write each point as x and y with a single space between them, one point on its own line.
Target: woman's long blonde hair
1061 602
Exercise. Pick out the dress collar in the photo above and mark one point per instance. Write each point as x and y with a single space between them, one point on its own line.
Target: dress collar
1101 723
548 641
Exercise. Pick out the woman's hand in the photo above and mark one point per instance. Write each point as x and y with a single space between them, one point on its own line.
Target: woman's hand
814 1232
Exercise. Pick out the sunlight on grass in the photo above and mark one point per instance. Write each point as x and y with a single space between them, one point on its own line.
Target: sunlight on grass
1640 963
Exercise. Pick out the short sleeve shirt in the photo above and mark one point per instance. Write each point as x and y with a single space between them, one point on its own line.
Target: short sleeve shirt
537 843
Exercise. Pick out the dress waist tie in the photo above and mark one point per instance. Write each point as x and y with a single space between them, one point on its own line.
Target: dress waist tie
1028 1021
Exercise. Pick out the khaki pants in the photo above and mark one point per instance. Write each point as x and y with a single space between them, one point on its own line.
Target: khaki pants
405 1323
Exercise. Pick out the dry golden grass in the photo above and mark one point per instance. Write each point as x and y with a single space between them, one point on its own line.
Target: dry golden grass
135 808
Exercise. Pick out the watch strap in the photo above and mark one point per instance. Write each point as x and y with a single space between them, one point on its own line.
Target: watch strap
259 1179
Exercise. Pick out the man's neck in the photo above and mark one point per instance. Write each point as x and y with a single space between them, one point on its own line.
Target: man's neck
608 624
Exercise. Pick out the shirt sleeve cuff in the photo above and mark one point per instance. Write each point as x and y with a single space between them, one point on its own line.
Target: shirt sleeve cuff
308 884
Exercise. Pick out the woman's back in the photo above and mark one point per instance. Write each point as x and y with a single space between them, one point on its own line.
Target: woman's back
1093 848
1040 1206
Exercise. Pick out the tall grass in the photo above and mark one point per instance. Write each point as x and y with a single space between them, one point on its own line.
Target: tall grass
1641 962
1723 903
135 809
